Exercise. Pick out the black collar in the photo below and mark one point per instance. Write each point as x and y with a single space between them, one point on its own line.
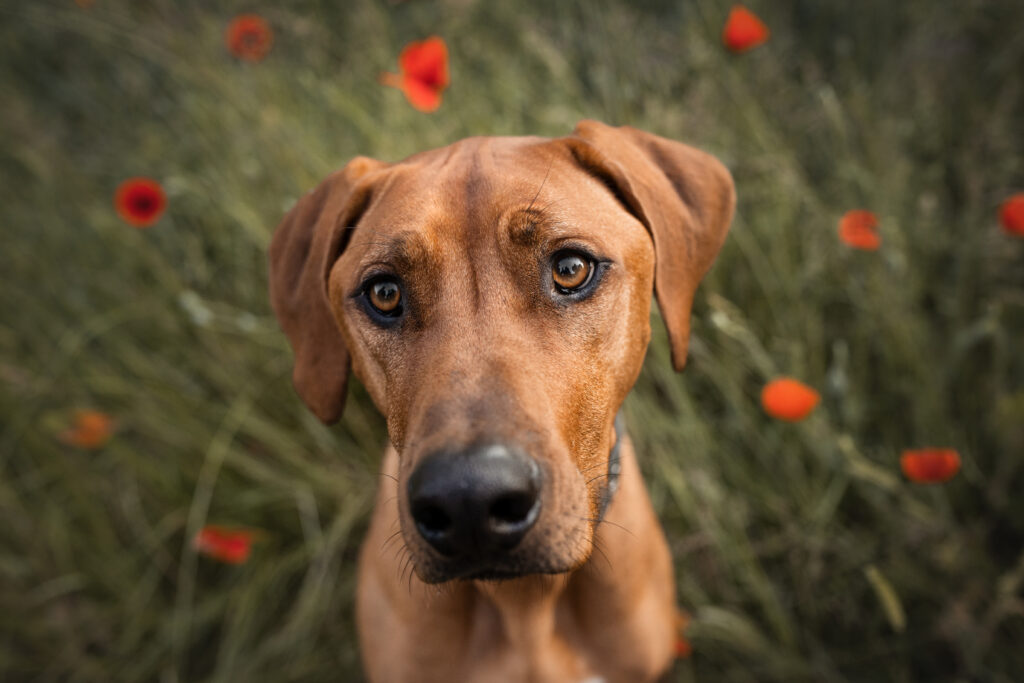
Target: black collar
614 468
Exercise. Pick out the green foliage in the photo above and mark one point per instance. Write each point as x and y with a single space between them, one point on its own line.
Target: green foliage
801 552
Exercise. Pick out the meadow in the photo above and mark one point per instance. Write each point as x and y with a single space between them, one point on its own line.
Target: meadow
802 552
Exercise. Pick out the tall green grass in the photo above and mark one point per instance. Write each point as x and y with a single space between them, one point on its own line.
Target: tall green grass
801 552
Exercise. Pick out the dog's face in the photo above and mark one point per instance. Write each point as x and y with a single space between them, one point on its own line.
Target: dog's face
493 296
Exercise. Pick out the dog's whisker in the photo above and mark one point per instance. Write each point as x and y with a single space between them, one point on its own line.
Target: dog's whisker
398 551
542 184
554 202
410 577
591 468
406 570
608 522
604 463
402 557
596 544
390 539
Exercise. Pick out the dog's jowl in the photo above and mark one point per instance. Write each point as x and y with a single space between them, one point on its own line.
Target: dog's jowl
494 296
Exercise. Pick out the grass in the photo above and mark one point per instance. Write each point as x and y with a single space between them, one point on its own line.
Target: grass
801 552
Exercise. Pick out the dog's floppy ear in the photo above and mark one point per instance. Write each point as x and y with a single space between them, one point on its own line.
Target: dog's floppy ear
305 245
684 197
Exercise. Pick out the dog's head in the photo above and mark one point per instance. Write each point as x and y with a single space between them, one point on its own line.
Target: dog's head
493 296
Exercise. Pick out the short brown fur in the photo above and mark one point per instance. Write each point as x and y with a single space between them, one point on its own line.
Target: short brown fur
485 351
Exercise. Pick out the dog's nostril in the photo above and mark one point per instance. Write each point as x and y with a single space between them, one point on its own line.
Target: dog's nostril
512 509
431 518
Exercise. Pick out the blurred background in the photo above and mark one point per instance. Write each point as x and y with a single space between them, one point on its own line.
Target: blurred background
802 552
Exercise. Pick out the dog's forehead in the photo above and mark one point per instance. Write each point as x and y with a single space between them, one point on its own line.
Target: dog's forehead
475 173
486 155
479 184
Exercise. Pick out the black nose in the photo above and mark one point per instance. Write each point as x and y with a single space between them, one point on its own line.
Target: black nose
475 502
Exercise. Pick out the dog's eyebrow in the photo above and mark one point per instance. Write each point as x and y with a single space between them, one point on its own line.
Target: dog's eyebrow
523 227
403 249
530 227
544 182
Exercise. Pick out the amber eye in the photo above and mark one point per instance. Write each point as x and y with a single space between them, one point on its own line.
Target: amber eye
386 297
571 270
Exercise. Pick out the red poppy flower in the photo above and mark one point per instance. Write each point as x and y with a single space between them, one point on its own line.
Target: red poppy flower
424 73
140 201
249 37
224 544
1011 215
681 647
91 430
743 30
858 229
789 400
930 465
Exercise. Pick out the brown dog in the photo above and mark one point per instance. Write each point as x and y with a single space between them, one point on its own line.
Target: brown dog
494 296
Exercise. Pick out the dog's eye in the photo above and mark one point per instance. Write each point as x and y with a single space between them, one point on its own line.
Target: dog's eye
571 270
386 297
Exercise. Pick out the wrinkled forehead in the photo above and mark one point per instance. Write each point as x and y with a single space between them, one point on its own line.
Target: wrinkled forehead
480 190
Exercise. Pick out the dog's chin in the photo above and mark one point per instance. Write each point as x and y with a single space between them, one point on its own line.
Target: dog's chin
433 568
433 572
